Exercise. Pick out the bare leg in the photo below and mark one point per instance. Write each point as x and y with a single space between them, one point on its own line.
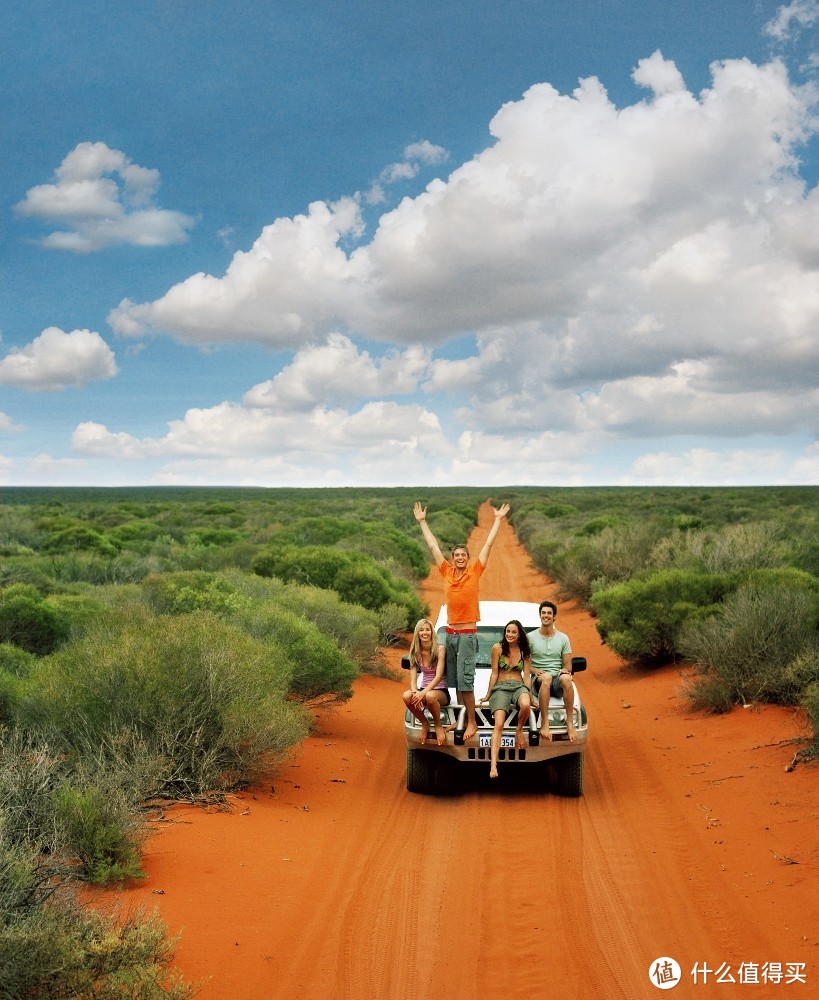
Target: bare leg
543 694
524 707
568 701
500 718
434 702
468 700
418 711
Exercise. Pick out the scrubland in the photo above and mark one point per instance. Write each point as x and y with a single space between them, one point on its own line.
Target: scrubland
166 644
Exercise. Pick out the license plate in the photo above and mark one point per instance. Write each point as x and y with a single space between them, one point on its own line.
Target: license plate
485 740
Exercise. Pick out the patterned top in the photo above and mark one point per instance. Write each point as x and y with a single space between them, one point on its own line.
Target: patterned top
503 665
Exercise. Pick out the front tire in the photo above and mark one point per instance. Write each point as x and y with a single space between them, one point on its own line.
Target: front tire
420 771
570 775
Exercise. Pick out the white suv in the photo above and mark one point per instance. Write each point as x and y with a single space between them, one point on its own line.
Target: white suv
423 760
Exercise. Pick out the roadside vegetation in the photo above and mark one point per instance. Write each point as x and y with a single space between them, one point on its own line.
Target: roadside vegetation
726 580
161 644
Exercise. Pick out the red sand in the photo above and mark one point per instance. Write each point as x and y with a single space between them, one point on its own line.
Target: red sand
331 882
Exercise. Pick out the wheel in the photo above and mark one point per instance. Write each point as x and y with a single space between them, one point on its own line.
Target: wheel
570 775
420 771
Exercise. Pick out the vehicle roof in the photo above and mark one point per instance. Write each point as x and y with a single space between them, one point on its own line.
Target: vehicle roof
495 614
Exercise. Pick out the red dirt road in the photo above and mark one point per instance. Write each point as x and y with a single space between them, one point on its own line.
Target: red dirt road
331 882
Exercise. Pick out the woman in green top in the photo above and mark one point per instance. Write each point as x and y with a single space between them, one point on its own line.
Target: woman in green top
509 685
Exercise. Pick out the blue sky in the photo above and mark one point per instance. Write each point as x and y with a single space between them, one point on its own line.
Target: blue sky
324 244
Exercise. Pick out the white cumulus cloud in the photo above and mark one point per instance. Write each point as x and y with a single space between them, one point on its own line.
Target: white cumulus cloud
100 199
617 269
57 360
336 373
791 18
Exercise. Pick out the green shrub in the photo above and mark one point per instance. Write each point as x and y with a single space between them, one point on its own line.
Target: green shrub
135 534
199 697
28 621
755 545
810 702
354 629
803 670
16 661
355 577
215 536
52 948
544 547
100 831
194 590
557 510
29 774
79 536
642 619
759 646
363 585
316 665
317 566
596 525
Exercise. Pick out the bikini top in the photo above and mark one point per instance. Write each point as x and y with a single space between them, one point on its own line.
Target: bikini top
503 665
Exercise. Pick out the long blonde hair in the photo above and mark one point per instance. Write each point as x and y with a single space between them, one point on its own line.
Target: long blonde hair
415 645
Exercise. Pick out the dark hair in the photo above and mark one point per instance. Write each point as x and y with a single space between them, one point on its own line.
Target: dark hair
523 640
547 604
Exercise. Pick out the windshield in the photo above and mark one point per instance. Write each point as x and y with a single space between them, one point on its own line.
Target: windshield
488 635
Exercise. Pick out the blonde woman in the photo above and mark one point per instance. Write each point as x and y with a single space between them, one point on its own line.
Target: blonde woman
427 688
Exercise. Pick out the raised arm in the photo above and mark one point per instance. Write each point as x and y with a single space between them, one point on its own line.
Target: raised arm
421 517
500 513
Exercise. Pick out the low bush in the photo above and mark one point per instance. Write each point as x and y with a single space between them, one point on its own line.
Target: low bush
201 699
316 664
759 646
27 620
77 813
355 577
100 832
810 702
642 619
79 536
52 948
29 775
356 630
15 664
193 590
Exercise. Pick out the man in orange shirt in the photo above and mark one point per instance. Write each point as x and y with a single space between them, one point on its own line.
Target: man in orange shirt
461 589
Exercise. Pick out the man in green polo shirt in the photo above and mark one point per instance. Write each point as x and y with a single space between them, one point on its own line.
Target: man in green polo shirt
552 669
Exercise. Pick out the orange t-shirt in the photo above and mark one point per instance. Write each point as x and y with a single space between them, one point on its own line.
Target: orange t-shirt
462 595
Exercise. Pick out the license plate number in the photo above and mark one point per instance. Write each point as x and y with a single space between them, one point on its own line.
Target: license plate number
485 740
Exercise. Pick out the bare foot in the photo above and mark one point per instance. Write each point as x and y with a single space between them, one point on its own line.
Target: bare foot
471 730
424 732
440 734
571 731
520 742
545 734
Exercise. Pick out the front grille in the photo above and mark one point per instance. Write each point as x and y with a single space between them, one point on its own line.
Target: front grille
485 753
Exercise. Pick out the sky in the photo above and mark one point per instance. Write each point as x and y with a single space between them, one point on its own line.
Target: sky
321 244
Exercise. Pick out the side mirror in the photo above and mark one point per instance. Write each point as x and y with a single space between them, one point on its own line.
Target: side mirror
406 664
578 664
